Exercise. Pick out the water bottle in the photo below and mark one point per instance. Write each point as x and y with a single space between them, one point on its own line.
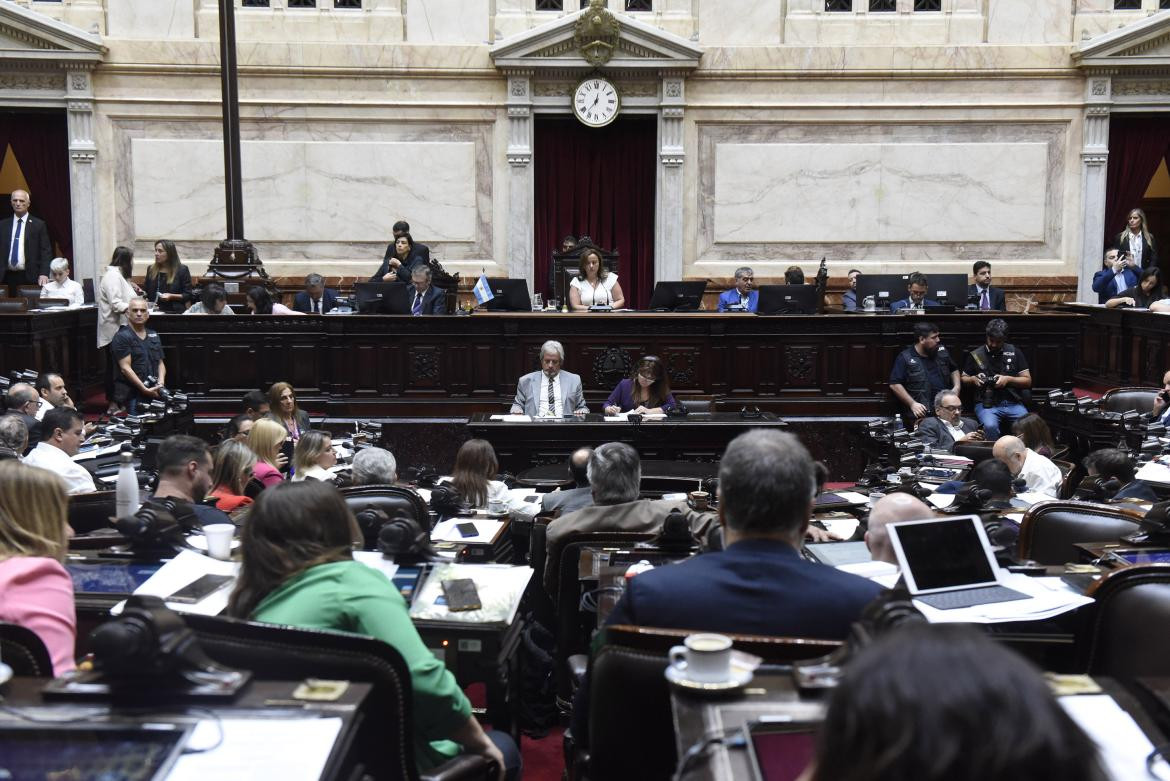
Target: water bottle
126 497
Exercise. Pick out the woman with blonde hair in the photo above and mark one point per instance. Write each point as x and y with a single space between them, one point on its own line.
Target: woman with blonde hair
1136 240
282 405
34 536
313 456
234 462
265 440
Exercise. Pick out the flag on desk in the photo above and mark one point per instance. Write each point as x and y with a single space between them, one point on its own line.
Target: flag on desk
482 290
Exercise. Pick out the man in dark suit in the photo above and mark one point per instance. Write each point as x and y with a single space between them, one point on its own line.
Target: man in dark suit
27 249
315 298
981 293
21 402
420 297
916 286
948 426
572 499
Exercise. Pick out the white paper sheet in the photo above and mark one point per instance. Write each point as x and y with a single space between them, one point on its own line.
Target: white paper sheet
446 531
513 418
841 528
181 570
1154 473
375 560
1050 597
853 497
288 749
500 588
1124 747
870 569
941 500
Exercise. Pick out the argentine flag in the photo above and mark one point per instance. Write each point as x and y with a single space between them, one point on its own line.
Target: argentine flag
482 291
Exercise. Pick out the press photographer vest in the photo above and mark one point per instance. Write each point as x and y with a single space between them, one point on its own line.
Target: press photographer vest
917 380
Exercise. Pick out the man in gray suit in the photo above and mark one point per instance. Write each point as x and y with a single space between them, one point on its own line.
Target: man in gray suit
948 426
572 499
549 393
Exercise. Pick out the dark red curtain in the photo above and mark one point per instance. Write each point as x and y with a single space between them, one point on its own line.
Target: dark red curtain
40 142
597 182
1137 145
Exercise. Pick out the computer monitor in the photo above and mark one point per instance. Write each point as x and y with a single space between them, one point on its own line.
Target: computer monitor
677 296
372 297
947 289
511 295
884 288
787 300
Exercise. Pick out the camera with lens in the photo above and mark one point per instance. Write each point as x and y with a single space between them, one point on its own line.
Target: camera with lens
987 388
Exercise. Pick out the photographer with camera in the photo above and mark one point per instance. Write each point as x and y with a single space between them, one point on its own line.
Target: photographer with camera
139 356
999 373
921 371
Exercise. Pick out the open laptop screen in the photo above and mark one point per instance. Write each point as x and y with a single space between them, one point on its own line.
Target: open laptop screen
941 555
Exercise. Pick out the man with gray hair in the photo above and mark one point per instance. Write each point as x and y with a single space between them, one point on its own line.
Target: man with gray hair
13 437
948 425
315 299
550 392
22 401
892 508
420 297
741 298
615 477
374 466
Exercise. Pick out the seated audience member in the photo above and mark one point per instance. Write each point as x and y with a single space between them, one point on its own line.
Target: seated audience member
61 435
1148 290
401 259
1161 411
981 293
237 428
793 275
13 437
550 392
138 354
184 476
921 371
313 456
36 591
212 301
999 373
916 286
948 425
474 473
22 402
420 296
849 297
282 403
168 281
946 702
298 570
1040 474
647 392
581 495
232 471
61 286
260 303
315 299
373 466
615 478
1118 275
265 440
255 404
594 285
892 508
1035 434
1112 464
51 389
741 298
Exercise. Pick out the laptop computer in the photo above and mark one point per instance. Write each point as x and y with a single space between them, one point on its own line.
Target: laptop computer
948 563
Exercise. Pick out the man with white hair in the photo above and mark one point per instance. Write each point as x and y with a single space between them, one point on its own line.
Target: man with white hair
13 437
374 466
27 248
61 286
1041 475
550 392
892 508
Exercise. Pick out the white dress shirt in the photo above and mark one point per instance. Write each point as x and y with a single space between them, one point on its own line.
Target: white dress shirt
42 408
1136 247
23 223
70 289
956 431
602 295
1041 475
542 408
77 478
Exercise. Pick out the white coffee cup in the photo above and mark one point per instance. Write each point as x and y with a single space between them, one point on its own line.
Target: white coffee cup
704 658
219 540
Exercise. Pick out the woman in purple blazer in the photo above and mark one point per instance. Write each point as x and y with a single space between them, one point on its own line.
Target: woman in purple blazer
646 392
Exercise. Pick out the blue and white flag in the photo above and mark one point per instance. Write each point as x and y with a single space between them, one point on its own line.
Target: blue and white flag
482 291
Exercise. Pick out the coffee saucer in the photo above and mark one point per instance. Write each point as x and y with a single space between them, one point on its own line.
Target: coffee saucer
740 677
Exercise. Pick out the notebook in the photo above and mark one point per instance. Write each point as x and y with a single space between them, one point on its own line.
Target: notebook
948 563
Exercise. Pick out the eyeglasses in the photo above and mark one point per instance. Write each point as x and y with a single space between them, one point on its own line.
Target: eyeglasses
950 408
646 375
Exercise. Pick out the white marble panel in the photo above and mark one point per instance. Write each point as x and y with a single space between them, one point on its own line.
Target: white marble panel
1012 21
880 192
739 23
307 191
446 21
156 19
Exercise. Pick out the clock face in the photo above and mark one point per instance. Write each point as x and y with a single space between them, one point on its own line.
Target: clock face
596 102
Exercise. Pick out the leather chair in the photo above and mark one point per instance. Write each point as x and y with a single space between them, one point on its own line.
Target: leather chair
89 512
1129 399
630 725
695 405
976 451
394 500
23 650
1123 640
281 653
1066 470
11 305
1049 530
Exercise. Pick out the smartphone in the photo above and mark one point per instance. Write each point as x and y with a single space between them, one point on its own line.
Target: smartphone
467 529
461 595
200 588
780 750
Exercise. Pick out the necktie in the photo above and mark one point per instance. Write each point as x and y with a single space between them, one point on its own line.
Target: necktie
14 253
983 302
417 308
316 306
552 398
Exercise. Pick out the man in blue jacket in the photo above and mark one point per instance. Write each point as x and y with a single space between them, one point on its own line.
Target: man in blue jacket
740 298
1118 274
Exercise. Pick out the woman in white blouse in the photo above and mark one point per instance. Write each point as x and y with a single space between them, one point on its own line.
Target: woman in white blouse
113 299
594 286
61 286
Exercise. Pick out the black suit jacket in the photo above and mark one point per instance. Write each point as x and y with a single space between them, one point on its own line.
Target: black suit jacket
38 250
402 299
420 255
328 301
180 284
934 433
1149 249
998 299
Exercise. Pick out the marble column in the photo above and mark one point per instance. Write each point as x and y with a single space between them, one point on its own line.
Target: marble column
521 182
1094 160
82 179
668 212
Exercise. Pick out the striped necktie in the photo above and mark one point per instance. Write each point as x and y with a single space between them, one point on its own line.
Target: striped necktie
552 398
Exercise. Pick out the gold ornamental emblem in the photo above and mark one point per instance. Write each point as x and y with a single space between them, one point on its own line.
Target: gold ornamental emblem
596 34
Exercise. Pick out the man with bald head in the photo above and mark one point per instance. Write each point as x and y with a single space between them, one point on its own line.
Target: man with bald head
27 249
581 494
21 403
138 354
892 508
1041 475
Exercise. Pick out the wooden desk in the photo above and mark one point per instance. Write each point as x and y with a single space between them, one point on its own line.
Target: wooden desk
1121 347
59 340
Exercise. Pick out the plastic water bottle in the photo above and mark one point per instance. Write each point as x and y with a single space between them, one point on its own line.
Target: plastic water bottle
126 496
